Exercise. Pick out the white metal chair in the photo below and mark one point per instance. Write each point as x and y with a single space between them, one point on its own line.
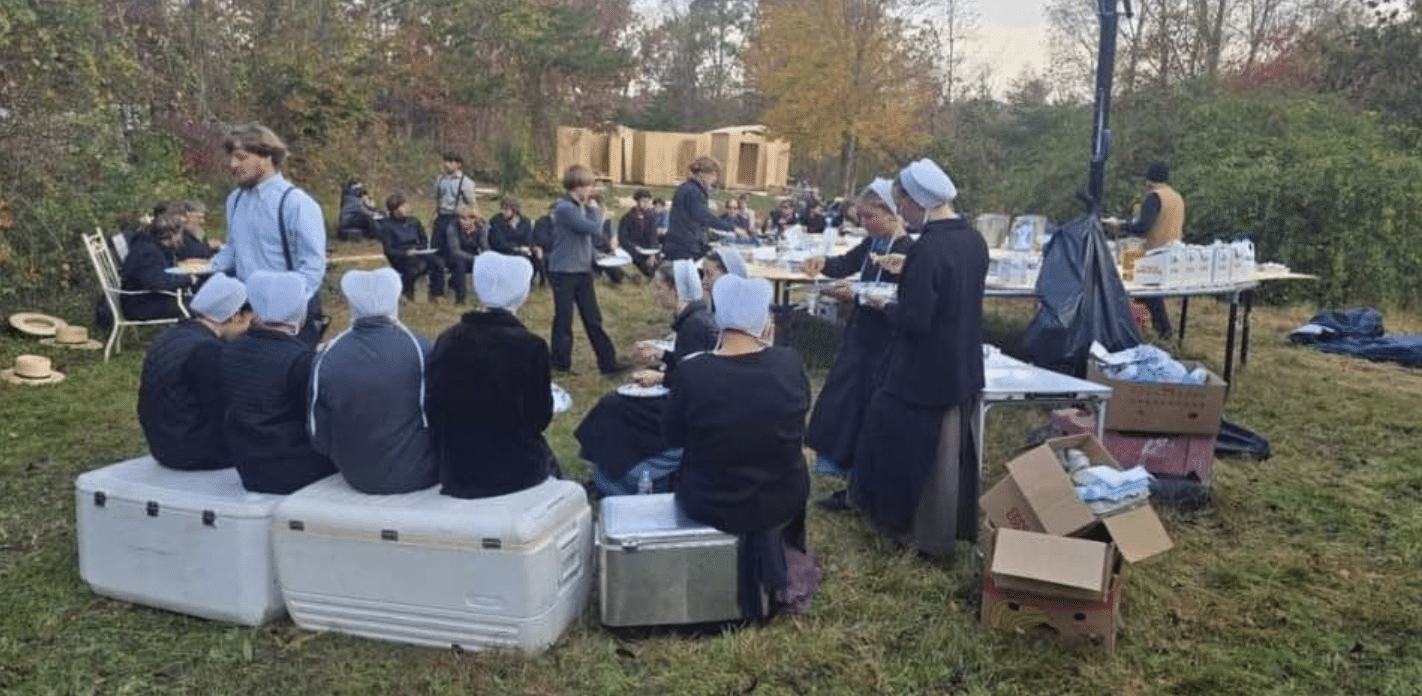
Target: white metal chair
120 243
107 271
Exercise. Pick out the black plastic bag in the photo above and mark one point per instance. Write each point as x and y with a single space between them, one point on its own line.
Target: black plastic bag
1238 441
1081 300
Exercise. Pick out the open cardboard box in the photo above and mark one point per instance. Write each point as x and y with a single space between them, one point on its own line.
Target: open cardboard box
1184 409
1038 496
1027 589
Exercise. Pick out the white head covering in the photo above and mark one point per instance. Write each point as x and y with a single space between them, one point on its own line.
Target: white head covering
501 280
372 293
926 184
688 281
220 298
884 189
742 304
278 297
735 265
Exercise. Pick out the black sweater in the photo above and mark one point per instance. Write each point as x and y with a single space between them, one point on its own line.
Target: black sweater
687 222
741 422
180 404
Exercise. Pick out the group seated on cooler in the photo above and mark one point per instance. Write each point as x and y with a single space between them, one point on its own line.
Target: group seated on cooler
622 435
265 374
488 395
367 393
180 402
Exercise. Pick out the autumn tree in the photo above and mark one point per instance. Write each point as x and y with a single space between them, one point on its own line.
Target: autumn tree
691 56
842 77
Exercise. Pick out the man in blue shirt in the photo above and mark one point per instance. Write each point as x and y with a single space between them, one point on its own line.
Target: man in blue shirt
272 225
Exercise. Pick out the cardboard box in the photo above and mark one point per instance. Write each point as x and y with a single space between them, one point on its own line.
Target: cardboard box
1163 408
1075 622
1178 455
1051 565
1038 496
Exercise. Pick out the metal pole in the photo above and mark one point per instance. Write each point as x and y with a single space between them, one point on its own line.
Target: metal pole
1101 119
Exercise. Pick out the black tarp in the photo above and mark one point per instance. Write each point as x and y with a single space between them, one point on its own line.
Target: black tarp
1359 332
1081 299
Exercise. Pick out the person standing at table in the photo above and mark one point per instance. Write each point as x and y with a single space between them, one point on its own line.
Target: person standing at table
839 411
691 213
272 225
915 466
576 225
1161 221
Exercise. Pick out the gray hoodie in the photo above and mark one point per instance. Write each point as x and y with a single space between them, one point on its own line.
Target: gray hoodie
570 247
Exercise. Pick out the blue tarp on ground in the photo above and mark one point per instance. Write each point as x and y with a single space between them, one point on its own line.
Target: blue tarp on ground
1359 332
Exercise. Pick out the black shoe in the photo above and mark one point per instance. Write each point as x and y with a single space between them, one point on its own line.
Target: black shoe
837 501
616 369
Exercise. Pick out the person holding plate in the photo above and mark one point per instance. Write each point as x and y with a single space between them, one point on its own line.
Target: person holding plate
488 398
839 411
622 435
916 467
145 271
406 248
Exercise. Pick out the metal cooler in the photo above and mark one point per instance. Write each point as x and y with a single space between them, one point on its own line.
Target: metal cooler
657 567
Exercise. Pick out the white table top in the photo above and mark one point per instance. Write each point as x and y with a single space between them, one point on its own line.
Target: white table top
1009 379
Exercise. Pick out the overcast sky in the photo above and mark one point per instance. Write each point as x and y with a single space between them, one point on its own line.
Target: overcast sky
1013 34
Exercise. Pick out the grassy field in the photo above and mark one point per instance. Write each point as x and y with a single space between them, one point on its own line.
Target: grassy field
1303 578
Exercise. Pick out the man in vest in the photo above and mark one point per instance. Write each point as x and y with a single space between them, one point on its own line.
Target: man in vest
272 225
1161 221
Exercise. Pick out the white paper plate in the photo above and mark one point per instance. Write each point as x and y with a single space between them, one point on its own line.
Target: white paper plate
190 270
645 251
423 252
562 401
638 391
619 258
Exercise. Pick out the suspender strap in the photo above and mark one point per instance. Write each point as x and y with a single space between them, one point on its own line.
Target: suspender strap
281 228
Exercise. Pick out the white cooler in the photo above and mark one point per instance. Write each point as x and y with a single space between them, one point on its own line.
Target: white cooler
193 542
427 569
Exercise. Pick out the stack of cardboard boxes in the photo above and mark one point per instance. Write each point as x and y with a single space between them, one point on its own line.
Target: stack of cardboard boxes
1053 567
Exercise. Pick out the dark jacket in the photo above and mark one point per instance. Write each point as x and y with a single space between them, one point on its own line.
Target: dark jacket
505 237
399 235
180 403
741 422
936 359
637 228
193 248
488 401
145 269
366 411
687 222
265 375
696 332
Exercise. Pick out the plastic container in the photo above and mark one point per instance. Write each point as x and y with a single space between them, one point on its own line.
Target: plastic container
427 569
993 228
193 542
658 567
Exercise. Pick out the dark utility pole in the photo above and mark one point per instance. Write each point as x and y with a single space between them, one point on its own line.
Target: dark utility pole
1101 119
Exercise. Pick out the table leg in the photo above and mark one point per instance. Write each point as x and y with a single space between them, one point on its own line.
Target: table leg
1244 331
1100 407
1229 339
1184 311
983 407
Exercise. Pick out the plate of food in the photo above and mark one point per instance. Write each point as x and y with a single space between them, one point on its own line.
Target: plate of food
875 290
191 267
617 258
648 251
423 252
638 391
562 400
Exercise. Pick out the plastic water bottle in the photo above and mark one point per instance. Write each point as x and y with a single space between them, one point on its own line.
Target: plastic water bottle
644 484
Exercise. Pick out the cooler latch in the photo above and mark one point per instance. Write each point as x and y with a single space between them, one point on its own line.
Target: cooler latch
209 518
100 498
389 535
152 508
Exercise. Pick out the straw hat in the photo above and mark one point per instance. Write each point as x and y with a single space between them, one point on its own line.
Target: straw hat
36 324
31 369
75 337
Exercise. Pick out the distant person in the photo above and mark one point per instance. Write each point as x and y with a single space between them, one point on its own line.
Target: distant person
452 188
576 225
1161 221
407 249
488 390
367 411
180 401
358 217
815 221
510 232
194 243
738 413
637 230
145 271
272 225
780 219
605 243
659 210
735 214
461 243
690 217
266 373
720 263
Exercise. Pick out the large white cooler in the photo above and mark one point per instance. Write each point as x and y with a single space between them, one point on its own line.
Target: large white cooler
194 542
424 568
656 566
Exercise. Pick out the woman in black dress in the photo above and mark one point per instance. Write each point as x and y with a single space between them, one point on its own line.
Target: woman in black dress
622 435
739 415
839 410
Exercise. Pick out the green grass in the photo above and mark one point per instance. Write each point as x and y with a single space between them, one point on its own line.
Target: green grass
1303 578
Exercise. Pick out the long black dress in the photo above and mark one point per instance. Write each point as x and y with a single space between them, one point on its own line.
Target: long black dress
839 411
915 470
621 431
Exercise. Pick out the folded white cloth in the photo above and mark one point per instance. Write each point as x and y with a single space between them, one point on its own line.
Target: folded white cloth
1110 483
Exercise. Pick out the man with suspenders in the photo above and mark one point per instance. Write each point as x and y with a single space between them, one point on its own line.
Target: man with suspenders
452 189
272 225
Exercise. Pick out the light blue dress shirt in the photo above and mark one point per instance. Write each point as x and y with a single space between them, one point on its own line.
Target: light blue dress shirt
253 240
